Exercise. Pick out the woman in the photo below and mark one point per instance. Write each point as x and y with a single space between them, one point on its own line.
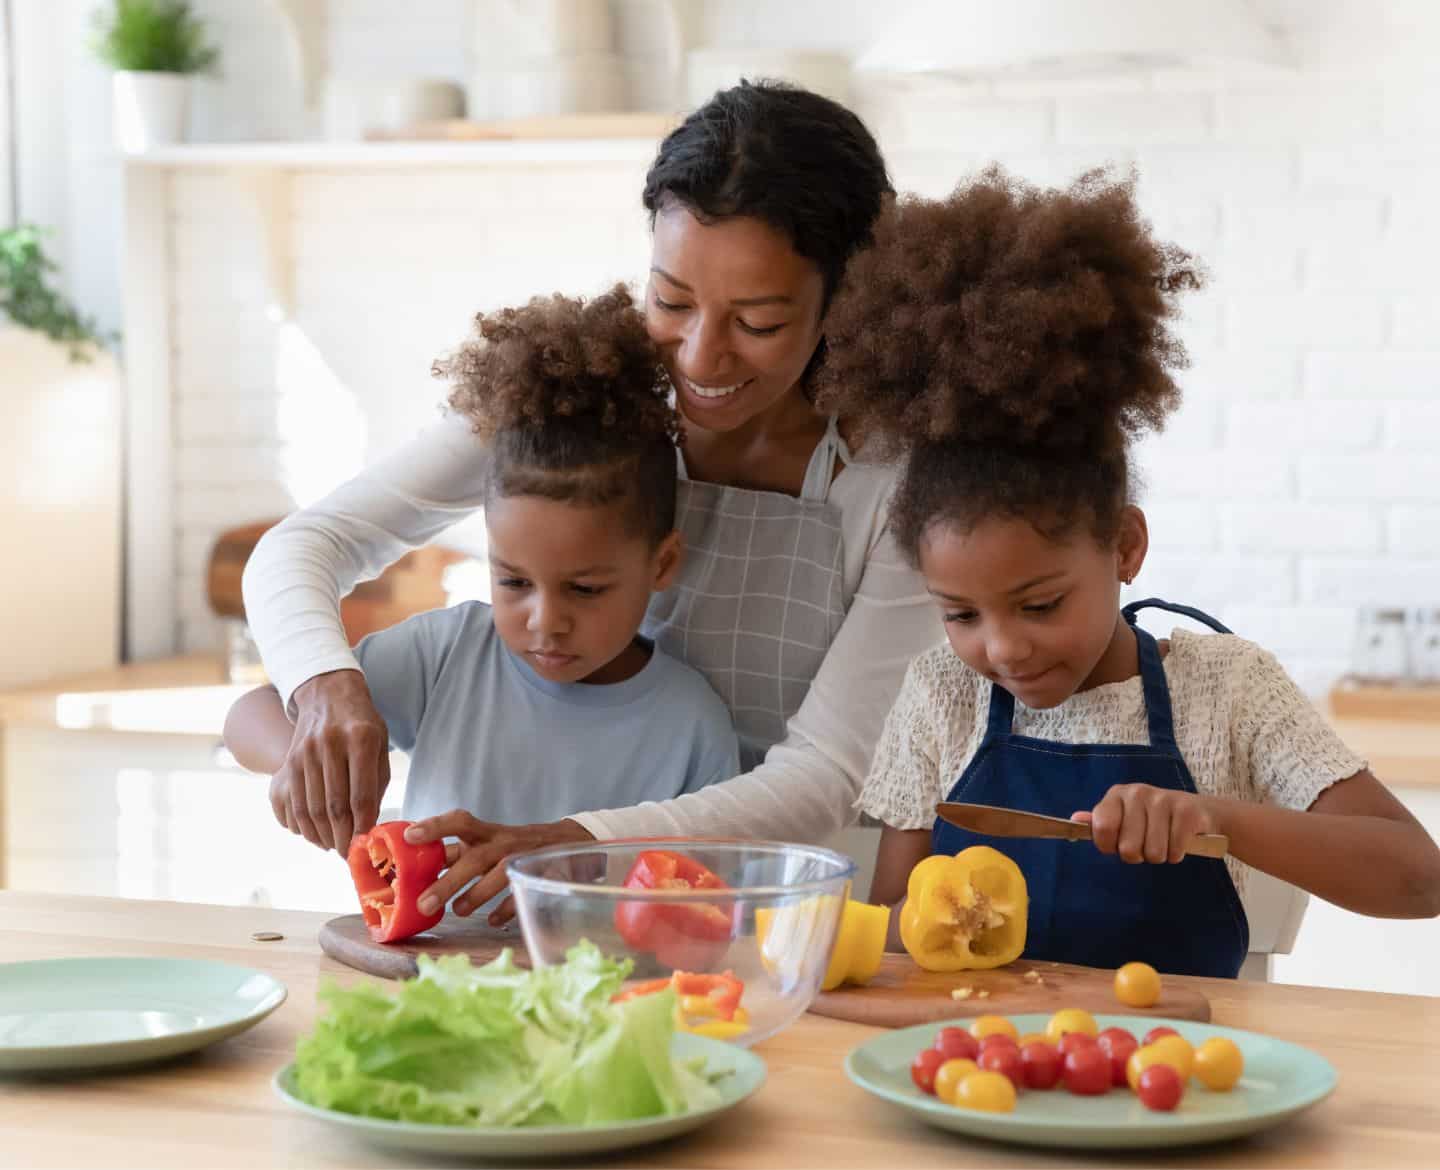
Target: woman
793 600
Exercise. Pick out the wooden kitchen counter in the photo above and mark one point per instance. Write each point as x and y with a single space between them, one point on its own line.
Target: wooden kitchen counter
217 1109
183 696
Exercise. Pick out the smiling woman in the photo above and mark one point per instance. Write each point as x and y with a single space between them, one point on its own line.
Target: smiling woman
792 601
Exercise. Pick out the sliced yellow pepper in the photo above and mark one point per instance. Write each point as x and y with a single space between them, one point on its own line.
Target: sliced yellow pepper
965 912
716 1029
859 945
787 938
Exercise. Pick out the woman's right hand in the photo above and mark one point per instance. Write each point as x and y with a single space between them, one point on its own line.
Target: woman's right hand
338 766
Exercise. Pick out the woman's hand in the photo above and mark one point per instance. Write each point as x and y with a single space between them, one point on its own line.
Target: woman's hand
338 766
1144 823
480 857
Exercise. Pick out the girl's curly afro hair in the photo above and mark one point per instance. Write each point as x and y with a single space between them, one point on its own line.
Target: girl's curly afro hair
1008 342
573 401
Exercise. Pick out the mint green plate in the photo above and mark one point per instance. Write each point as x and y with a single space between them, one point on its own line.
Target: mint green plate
747 1074
1280 1080
79 1014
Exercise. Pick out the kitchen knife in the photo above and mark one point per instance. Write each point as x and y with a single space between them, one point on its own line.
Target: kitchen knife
1009 822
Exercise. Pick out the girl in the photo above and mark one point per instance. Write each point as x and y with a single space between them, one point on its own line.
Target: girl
1010 342
793 601
545 702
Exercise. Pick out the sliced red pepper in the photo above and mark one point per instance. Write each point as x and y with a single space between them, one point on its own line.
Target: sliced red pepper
722 991
684 937
390 874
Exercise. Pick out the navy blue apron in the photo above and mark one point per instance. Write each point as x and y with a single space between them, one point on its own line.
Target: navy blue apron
1088 907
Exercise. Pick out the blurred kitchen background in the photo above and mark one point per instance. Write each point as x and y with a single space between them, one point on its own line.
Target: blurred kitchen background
273 251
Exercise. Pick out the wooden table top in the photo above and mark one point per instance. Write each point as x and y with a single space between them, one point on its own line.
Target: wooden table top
216 1108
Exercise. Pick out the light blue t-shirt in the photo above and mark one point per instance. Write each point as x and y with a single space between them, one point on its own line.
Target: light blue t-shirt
485 733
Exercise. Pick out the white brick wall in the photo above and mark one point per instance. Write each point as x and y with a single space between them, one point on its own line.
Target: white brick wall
1299 483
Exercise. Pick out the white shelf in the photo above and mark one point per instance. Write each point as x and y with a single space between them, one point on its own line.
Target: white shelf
323 155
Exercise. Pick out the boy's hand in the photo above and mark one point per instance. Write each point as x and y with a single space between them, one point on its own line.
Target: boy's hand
481 854
1144 823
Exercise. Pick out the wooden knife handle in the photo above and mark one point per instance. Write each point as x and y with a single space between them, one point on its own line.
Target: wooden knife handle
1208 845
1200 845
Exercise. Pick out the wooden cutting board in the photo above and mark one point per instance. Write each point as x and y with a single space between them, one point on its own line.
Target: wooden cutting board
346 940
902 994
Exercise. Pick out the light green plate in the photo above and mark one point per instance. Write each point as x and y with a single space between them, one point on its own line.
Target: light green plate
747 1074
77 1014
1279 1081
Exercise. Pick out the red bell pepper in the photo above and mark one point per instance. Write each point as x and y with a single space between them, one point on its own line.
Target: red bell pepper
681 936
390 874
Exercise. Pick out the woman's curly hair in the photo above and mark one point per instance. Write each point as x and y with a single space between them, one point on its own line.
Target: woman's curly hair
1008 342
573 401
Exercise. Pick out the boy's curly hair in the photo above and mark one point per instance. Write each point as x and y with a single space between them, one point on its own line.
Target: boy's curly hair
1009 341
573 401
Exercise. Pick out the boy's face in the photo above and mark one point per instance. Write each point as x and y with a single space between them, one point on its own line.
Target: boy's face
1037 616
570 584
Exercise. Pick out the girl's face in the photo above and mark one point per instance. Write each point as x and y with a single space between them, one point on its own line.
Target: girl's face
735 312
1037 616
569 585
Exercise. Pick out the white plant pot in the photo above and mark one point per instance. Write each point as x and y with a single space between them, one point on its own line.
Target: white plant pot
149 109
59 510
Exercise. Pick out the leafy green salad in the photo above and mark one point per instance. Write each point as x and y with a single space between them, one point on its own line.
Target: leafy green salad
500 1046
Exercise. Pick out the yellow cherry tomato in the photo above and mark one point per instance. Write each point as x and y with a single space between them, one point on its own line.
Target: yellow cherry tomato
1218 1064
1070 1020
1034 1038
989 1025
1141 1059
988 1092
1137 985
1178 1053
1179 1056
949 1075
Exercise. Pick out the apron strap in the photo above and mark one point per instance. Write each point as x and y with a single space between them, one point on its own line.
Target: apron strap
820 471
1156 691
1184 610
1001 720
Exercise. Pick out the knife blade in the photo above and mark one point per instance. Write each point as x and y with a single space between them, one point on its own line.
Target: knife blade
994 821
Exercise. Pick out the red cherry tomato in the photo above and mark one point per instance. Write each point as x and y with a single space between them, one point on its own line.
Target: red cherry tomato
957 1044
1040 1064
1073 1040
924 1067
1004 1059
1155 1033
998 1040
1086 1071
1117 1044
1159 1088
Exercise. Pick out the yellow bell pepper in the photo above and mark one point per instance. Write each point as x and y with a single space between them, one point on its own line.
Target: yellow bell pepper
965 912
786 938
859 945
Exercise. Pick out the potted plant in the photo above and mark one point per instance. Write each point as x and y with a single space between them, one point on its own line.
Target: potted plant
27 299
153 46
60 478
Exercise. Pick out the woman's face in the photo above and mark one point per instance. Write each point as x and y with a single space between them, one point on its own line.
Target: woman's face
735 312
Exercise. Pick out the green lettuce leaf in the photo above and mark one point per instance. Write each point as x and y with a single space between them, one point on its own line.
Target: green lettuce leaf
499 1046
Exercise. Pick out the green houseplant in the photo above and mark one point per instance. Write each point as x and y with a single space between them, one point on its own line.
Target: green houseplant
154 46
153 36
27 298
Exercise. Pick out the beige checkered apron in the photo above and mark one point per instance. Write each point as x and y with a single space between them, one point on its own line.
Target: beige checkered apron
759 598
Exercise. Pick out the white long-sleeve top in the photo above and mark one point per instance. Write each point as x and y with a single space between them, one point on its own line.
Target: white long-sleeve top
807 785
